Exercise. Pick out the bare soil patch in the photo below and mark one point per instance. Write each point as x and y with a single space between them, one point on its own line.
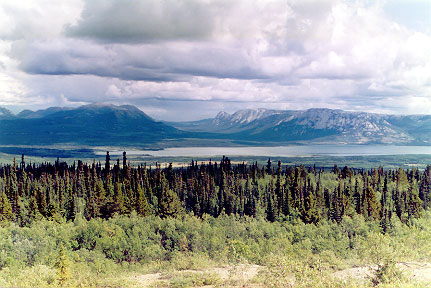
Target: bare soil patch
420 272
234 274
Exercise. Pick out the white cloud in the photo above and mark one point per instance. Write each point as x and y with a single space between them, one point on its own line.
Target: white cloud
28 19
292 54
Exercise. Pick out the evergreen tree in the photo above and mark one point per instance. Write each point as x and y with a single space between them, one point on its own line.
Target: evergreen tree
33 208
268 167
41 198
107 164
373 206
63 266
142 206
309 212
119 197
6 213
169 204
270 209
60 190
414 203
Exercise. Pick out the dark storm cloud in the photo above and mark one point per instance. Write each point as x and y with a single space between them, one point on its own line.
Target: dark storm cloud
142 20
150 62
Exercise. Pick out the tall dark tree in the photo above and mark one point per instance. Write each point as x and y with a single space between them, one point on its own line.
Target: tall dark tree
169 204
142 206
6 213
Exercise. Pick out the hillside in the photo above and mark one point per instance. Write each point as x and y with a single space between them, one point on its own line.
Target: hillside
100 124
94 124
5 114
317 125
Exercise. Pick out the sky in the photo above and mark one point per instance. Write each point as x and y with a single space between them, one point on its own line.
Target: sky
187 60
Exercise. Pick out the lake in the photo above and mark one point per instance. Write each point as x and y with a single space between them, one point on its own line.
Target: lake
281 151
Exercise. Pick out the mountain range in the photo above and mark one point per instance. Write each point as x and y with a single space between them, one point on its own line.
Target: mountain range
94 124
109 125
317 125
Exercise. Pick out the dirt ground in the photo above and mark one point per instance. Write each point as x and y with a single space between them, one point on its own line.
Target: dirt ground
242 275
416 271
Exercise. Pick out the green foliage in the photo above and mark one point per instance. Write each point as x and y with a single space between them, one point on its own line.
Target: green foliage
194 280
63 266
378 250
79 224
6 213
169 204
387 272
88 252
372 204
143 208
60 192
285 272
238 251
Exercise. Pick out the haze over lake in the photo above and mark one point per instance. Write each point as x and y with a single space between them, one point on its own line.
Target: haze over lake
281 151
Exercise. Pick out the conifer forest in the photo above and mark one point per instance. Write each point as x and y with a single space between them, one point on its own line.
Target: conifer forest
52 191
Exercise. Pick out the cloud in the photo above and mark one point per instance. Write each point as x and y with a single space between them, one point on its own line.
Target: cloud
151 62
28 19
215 54
280 41
141 21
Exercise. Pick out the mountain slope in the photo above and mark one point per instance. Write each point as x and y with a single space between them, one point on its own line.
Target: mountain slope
227 123
94 124
126 125
317 125
29 114
5 114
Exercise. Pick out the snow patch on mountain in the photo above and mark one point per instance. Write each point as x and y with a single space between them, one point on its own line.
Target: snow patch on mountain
5 113
243 116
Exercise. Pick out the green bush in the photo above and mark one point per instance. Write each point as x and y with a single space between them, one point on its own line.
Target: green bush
98 248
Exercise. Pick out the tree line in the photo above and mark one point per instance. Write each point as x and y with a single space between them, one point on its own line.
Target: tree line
60 192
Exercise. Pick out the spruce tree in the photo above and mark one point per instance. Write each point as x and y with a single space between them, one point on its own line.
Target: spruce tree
119 197
414 203
169 204
309 212
33 208
270 209
6 213
373 206
63 267
142 206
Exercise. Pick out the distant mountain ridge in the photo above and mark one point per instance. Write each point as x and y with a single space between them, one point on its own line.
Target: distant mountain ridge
29 114
94 124
126 125
5 113
317 125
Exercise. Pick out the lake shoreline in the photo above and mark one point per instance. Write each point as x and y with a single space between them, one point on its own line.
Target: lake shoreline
311 150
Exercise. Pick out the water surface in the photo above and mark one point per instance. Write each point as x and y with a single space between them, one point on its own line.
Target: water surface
281 151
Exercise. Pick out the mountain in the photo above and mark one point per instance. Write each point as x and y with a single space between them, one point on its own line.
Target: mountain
29 114
316 125
110 125
95 124
5 114
225 122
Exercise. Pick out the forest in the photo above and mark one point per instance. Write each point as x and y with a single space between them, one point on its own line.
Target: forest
103 217
58 190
